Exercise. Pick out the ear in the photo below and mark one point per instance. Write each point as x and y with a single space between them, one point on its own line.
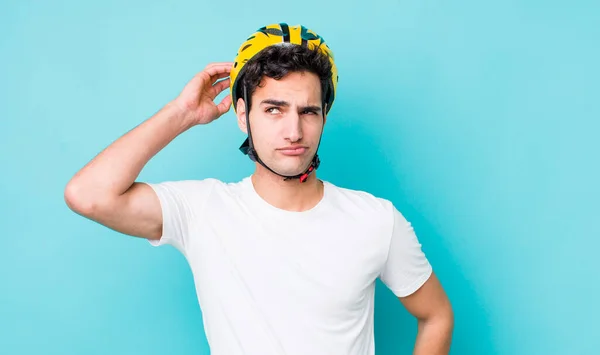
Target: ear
241 115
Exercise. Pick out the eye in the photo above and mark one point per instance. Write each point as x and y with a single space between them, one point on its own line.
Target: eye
309 112
273 110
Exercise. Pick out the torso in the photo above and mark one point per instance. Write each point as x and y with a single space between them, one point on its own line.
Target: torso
276 282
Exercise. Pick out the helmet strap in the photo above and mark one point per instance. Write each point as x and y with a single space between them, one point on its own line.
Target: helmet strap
248 149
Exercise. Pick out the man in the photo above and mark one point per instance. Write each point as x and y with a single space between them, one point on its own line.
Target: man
283 263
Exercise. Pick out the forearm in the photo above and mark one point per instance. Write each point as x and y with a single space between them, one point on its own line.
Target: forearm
434 336
116 168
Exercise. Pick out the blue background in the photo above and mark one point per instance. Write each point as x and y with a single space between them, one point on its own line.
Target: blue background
478 120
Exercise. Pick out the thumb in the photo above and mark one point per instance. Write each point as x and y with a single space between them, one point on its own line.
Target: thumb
224 105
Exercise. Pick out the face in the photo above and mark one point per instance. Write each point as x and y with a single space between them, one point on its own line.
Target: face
286 121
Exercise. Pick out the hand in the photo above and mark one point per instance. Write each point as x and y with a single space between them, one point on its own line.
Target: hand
197 97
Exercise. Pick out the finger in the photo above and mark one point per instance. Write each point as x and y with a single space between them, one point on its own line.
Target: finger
224 105
218 69
211 73
220 86
206 82
218 76
214 75
215 69
217 64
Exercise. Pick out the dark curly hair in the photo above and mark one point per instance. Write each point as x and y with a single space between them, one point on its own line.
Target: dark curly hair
278 61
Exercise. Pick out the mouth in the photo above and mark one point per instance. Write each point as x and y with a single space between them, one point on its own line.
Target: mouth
293 151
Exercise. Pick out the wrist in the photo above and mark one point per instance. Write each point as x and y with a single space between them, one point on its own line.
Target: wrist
178 112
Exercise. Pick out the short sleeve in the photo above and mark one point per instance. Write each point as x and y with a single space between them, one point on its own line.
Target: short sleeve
406 268
180 202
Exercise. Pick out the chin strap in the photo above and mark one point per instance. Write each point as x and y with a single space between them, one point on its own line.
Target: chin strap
248 149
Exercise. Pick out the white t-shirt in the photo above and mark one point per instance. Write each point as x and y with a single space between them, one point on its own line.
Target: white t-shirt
276 282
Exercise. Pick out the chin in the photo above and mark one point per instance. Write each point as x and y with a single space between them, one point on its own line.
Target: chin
290 172
291 169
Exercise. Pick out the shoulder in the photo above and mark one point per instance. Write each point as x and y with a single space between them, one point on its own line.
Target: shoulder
361 200
187 186
199 188
187 190
372 215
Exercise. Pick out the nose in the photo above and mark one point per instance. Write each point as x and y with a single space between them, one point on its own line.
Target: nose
293 127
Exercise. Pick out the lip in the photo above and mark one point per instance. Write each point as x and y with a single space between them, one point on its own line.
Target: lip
293 151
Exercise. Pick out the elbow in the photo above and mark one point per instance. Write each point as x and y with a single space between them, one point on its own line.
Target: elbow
445 316
74 198
79 199
442 319
449 320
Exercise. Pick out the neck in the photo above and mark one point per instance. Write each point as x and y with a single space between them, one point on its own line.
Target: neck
290 195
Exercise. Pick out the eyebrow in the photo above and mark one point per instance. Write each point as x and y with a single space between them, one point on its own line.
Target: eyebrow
282 103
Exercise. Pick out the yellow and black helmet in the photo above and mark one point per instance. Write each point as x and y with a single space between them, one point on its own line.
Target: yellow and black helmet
275 34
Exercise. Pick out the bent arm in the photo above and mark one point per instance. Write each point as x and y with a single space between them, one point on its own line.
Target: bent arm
105 189
435 317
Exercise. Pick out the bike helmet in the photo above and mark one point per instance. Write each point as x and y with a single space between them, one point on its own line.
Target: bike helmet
279 34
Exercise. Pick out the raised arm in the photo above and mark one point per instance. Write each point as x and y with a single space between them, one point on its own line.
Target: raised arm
105 190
